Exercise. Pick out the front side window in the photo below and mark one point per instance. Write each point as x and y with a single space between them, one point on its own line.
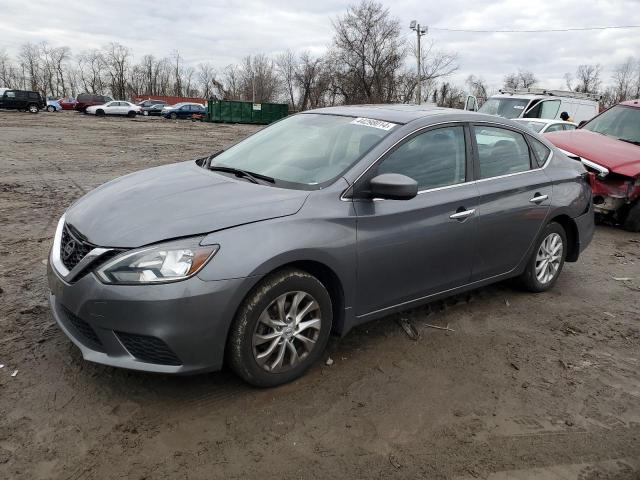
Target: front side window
501 151
568 126
544 109
306 150
435 158
505 107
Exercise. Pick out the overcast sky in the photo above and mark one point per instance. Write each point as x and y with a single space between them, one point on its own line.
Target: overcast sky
223 31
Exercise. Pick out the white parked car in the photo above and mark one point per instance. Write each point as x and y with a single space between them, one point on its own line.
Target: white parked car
116 107
538 103
541 125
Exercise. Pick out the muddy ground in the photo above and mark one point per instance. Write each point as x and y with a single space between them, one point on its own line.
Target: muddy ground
526 386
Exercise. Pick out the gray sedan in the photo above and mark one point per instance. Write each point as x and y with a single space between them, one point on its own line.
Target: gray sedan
318 223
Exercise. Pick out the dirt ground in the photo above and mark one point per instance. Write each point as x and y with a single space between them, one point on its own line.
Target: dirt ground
525 386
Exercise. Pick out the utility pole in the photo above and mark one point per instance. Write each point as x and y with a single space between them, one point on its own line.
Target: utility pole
420 31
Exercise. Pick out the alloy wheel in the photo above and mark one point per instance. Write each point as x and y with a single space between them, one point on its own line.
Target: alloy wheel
286 331
549 258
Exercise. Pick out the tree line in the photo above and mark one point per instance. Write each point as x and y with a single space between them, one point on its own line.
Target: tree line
369 60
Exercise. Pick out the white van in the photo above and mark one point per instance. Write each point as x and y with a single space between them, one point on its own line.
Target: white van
538 103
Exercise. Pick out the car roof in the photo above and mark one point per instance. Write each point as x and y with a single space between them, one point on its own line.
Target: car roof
395 113
632 103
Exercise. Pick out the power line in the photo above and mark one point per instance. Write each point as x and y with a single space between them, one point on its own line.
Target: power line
547 30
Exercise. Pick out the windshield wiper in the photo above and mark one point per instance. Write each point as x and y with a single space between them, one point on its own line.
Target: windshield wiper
251 176
635 142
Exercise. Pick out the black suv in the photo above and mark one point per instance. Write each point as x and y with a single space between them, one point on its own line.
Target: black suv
22 100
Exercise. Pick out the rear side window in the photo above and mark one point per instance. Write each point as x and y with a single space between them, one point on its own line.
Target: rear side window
501 151
34 95
540 151
434 159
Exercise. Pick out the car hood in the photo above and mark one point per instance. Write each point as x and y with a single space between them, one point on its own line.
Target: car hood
174 201
617 156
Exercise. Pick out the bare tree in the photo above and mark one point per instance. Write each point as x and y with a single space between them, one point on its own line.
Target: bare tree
286 64
117 61
91 68
208 82
522 79
478 88
9 76
623 78
588 77
369 53
32 65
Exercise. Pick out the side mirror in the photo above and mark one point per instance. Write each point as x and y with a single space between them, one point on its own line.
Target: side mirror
582 122
393 186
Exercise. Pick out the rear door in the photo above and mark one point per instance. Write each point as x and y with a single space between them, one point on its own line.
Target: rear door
514 198
408 249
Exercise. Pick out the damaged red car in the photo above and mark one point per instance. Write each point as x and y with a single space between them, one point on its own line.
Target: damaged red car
609 147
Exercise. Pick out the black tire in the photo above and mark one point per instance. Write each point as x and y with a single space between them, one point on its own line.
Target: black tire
174 116
51 108
529 280
145 113
33 108
631 221
100 113
131 114
240 350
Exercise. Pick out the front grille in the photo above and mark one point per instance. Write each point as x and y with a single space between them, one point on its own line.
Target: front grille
73 247
84 332
148 349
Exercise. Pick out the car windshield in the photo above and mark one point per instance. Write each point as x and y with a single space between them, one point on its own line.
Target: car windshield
535 126
504 107
307 150
620 122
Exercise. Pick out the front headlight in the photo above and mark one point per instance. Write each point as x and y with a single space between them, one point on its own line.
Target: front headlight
168 262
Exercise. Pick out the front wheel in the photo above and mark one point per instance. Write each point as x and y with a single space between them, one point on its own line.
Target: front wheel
281 329
547 259
145 113
173 116
131 114
51 108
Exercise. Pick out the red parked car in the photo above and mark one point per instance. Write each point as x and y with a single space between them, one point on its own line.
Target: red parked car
609 147
68 103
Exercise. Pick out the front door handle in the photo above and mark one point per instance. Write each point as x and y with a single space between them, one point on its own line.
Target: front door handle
539 198
463 214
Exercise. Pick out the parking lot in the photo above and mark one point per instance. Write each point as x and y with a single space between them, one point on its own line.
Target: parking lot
518 386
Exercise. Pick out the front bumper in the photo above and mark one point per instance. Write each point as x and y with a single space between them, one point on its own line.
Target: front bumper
176 327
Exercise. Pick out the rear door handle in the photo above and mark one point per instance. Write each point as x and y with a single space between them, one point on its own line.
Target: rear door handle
463 214
539 198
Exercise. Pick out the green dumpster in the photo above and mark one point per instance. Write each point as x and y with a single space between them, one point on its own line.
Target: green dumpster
235 111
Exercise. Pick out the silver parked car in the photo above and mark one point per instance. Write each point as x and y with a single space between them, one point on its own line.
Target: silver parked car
315 224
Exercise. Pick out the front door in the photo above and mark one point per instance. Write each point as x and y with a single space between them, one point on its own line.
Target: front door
514 196
408 249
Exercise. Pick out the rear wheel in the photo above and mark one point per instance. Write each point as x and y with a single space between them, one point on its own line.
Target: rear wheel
547 259
280 329
632 218
131 114
33 108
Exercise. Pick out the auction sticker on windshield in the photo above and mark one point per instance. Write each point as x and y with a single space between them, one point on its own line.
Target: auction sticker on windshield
370 122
